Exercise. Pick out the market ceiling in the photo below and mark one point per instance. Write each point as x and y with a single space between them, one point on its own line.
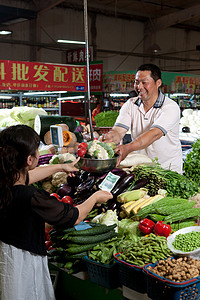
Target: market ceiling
156 14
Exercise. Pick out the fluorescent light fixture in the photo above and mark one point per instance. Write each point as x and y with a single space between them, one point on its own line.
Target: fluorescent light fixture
119 95
5 32
179 94
71 98
44 93
71 42
5 97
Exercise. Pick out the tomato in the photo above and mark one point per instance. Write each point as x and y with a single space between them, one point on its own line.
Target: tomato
81 152
67 199
48 244
83 145
47 236
55 195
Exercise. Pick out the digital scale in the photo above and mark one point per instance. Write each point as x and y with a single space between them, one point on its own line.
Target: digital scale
57 136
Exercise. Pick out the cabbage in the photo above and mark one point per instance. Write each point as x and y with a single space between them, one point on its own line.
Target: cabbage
29 113
129 228
8 122
4 113
107 218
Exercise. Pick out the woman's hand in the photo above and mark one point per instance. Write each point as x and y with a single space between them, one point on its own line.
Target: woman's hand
70 167
102 196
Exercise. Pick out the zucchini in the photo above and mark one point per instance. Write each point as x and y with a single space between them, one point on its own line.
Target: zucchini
92 239
94 230
80 249
42 123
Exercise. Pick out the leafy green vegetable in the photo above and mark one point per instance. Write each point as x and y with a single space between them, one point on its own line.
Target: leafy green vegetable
106 118
191 166
174 183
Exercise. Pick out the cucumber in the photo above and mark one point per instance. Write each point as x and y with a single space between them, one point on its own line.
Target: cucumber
42 123
77 255
80 249
94 230
92 239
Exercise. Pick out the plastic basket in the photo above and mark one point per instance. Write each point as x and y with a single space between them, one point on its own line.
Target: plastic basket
160 288
131 276
44 159
102 274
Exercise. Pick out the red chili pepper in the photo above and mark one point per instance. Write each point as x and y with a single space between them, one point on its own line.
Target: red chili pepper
146 226
162 229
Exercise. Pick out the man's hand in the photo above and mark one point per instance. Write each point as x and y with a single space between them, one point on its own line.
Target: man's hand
123 151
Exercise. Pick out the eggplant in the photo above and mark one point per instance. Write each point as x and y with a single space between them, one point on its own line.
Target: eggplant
119 172
85 186
122 184
139 184
73 181
65 190
84 176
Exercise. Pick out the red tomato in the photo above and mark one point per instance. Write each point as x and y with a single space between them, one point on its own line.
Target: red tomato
55 195
67 199
83 145
47 236
81 152
48 244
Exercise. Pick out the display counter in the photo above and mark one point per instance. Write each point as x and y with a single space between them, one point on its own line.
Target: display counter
78 286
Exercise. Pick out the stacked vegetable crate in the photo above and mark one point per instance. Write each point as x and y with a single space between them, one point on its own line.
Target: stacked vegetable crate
71 245
160 288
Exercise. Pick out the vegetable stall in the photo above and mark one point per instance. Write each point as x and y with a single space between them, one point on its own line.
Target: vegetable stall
122 245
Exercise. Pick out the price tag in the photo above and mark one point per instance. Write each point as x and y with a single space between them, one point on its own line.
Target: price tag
56 135
109 182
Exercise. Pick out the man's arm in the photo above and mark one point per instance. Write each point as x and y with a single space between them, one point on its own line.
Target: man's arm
141 142
115 135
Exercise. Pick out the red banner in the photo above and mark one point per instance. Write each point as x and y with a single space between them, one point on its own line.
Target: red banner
18 75
96 77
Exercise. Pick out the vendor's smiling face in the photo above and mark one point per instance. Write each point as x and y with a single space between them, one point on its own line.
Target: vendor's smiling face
146 86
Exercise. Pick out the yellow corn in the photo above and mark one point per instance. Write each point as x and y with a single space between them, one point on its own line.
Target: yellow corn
134 204
120 198
125 205
135 195
151 200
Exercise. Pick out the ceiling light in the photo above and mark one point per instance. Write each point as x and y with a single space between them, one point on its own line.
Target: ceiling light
71 42
5 32
71 98
5 97
119 95
155 48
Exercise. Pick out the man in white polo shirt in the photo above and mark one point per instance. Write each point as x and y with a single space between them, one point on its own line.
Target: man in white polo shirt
153 120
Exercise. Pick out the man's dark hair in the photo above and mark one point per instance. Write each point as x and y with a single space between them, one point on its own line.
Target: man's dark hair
155 70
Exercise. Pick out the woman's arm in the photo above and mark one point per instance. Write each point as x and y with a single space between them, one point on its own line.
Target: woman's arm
84 208
40 173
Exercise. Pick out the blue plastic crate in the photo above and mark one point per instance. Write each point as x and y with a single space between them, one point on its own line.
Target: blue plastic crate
102 274
160 288
131 276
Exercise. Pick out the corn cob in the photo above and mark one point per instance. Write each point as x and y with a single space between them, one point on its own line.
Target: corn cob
135 195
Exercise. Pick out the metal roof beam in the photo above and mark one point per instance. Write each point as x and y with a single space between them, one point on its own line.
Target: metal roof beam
174 18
